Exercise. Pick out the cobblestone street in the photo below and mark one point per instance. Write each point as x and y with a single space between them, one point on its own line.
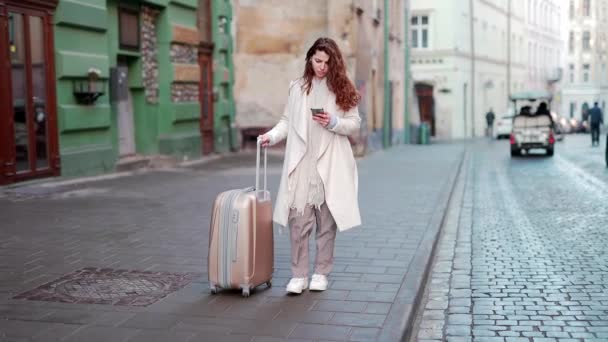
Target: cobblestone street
125 259
523 254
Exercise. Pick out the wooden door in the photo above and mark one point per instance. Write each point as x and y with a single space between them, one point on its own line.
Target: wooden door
28 120
426 105
6 135
124 105
205 61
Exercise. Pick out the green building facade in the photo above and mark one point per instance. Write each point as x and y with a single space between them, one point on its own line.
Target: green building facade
153 44
223 76
96 83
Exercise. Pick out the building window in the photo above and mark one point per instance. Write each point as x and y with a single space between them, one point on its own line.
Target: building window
586 73
586 40
571 11
587 8
571 42
420 31
571 73
204 21
128 26
572 109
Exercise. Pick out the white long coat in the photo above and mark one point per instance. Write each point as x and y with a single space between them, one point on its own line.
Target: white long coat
336 163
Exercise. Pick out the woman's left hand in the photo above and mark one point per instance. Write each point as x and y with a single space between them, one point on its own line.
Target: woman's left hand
322 118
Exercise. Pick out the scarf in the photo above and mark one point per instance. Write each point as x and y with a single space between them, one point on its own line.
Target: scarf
307 189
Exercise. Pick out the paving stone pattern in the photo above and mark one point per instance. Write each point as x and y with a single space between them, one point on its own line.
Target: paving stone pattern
527 260
159 222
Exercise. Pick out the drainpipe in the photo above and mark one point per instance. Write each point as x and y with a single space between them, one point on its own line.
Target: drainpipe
472 28
508 50
464 107
386 124
406 81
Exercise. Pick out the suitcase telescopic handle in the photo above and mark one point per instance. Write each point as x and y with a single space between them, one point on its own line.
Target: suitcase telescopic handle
257 187
257 166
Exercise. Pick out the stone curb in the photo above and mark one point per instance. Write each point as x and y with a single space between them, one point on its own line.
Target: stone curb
149 165
398 326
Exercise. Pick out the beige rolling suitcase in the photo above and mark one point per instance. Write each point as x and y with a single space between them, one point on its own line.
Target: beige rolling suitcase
241 246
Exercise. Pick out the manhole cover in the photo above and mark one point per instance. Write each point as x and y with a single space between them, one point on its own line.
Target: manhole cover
108 286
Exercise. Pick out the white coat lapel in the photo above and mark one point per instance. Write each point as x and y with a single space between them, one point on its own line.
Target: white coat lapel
300 127
300 123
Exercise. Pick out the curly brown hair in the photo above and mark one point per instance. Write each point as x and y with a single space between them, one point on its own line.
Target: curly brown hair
338 82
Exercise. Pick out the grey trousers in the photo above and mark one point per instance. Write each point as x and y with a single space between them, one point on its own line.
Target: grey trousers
300 227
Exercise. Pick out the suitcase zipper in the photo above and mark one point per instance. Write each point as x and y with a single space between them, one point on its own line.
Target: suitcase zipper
226 265
234 224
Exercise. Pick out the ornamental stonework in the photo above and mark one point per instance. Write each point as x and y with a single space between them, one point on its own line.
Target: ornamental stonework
185 54
184 92
149 52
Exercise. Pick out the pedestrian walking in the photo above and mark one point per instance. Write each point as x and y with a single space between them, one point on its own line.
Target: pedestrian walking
595 121
490 121
319 181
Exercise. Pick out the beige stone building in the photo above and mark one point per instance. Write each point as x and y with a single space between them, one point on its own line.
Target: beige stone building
469 56
271 40
586 72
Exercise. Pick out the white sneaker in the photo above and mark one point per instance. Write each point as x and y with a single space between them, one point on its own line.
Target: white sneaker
297 285
318 282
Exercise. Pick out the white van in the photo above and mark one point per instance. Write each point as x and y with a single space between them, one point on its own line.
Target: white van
531 132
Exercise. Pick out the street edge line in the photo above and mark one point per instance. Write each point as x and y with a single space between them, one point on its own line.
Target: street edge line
408 307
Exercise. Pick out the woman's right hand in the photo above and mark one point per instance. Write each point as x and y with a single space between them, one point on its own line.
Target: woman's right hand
264 139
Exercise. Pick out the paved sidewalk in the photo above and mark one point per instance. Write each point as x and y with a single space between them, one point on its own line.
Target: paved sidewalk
154 226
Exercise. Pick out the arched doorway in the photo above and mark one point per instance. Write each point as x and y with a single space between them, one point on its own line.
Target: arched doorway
426 104
585 111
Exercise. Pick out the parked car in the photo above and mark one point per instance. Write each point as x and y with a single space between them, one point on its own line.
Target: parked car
565 124
585 128
579 126
504 125
532 130
574 124
558 129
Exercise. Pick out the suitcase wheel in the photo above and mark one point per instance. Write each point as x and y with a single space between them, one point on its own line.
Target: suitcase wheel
269 283
246 292
213 289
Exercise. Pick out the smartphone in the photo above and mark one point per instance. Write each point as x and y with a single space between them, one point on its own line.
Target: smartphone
316 111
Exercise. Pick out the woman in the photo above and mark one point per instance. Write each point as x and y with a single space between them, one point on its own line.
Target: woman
319 179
